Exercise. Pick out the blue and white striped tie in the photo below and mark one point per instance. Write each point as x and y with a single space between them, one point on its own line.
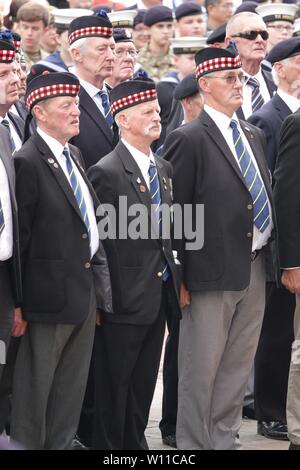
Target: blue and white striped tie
156 202
257 100
77 191
253 181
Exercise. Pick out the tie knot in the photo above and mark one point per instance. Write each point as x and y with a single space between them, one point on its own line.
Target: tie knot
104 97
253 82
152 167
233 124
66 153
5 123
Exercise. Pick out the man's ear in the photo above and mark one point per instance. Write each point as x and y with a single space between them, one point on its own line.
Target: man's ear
76 55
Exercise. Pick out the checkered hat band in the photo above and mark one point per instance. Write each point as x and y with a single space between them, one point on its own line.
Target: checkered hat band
213 65
102 31
51 91
7 55
17 45
132 100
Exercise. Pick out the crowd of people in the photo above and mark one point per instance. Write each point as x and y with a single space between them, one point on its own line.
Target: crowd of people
149 181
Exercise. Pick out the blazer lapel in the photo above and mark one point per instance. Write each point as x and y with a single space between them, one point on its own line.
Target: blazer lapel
280 106
95 114
57 172
7 160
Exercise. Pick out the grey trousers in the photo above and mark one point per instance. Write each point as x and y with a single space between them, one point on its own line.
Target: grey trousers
293 395
218 338
49 382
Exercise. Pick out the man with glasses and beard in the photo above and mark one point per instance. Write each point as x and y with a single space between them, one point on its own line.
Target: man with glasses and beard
250 34
223 285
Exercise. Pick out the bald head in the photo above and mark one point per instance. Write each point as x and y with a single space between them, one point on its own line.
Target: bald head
245 21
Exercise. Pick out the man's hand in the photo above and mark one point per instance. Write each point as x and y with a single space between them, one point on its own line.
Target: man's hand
184 296
291 280
98 317
20 325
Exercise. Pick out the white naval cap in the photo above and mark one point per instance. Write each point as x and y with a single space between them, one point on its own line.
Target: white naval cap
277 12
122 18
187 44
64 16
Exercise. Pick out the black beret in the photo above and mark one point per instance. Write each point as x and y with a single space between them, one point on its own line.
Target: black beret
90 26
213 59
51 85
122 35
218 35
11 36
139 17
246 6
157 14
284 49
132 92
188 9
7 51
37 69
187 87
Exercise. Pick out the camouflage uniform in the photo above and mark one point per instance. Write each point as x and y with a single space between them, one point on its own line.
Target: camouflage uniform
157 67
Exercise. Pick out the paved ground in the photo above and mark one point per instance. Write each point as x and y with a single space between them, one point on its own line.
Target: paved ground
249 439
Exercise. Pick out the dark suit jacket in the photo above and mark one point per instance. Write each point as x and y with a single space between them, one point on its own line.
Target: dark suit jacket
287 192
267 74
165 92
95 139
55 253
138 261
14 262
206 172
18 124
269 119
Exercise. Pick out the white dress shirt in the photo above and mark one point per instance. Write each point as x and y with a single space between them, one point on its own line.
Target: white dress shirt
93 91
292 102
14 135
142 160
6 237
247 95
57 150
223 123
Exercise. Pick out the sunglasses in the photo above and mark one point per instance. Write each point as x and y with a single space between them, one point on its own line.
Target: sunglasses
252 35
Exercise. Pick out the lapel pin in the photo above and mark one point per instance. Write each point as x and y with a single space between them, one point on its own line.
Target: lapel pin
50 160
165 187
164 179
138 180
142 188
55 165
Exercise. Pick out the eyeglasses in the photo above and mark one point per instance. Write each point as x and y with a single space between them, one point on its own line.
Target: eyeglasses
232 79
122 52
280 28
252 35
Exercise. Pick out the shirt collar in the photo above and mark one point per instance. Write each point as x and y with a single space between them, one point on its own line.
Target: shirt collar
55 146
141 158
221 120
290 100
91 89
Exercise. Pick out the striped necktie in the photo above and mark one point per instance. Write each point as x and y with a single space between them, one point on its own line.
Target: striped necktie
77 191
256 98
106 107
5 123
156 202
253 181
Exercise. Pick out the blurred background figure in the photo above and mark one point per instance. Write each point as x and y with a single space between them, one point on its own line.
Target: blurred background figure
190 20
218 12
140 32
125 58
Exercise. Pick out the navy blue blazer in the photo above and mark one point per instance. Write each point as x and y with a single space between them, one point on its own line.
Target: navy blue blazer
269 119
95 139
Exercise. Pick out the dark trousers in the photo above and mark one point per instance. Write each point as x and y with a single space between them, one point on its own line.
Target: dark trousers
167 424
126 366
273 355
6 323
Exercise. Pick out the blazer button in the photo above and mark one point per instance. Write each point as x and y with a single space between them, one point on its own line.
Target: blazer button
250 207
249 235
87 265
159 274
84 235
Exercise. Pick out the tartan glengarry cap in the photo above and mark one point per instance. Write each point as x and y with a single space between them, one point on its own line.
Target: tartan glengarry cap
158 14
214 59
90 26
188 9
130 93
7 51
284 49
11 36
51 85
